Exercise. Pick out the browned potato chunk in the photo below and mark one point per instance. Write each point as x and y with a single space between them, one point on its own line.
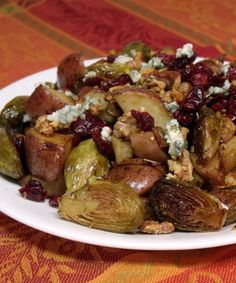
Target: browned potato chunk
45 100
212 171
139 177
146 146
122 149
228 153
70 69
45 156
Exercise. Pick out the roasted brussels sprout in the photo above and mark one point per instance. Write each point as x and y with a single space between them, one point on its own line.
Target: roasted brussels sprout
105 69
104 205
227 196
188 208
13 112
207 132
10 163
137 46
84 164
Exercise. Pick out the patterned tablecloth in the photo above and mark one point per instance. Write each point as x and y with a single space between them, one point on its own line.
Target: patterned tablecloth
35 35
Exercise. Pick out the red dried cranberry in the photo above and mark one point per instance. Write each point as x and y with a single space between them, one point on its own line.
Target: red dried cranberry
231 74
95 81
166 59
218 80
33 190
103 145
144 120
83 127
231 105
194 100
186 73
232 90
201 75
180 63
185 119
111 58
219 104
121 80
54 201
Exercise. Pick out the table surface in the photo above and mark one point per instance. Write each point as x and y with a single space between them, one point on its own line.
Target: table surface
36 35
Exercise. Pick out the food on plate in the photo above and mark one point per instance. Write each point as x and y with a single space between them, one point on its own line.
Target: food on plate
142 141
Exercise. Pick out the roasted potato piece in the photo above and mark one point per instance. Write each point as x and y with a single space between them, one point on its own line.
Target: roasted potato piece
54 188
84 164
46 155
212 171
228 153
10 163
13 112
227 196
139 177
188 208
145 146
122 149
207 134
45 100
104 205
69 71
140 99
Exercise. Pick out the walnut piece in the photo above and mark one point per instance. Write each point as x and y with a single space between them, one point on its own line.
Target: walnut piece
155 227
46 127
125 126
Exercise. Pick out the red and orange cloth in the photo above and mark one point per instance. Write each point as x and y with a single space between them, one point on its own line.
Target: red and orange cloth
37 34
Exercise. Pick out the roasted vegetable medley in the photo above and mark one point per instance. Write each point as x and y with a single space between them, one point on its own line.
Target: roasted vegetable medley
140 141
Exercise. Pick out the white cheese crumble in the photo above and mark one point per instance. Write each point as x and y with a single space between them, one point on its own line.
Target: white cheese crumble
133 52
174 138
225 67
89 75
123 59
215 89
154 62
186 50
26 118
106 134
172 106
71 94
70 113
135 76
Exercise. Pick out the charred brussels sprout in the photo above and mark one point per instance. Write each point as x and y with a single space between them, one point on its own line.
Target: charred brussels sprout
13 112
10 163
188 208
137 46
207 134
105 69
104 205
84 163
227 196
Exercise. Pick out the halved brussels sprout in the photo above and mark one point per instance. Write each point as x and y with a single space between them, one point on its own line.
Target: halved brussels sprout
10 163
207 132
227 196
138 46
84 164
104 205
13 112
188 208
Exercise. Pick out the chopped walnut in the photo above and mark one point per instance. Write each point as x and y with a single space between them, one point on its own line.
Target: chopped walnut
155 227
228 129
46 127
182 168
177 95
125 126
138 59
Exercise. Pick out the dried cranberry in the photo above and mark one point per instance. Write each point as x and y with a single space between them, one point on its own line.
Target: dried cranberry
53 201
231 105
194 100
33 190
121 80
95 81
219 104
186 73
103 145
111 58
83 127
185 119
232 90
180 63
144 120
166 59
201 75
218 80
231 74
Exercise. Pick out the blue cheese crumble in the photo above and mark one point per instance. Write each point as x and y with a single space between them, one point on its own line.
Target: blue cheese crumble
89 75
154 62
106 134
172 106
123 59
216 90
174 138
135 76
186 50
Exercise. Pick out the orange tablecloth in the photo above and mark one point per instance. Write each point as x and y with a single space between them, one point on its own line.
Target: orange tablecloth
36 34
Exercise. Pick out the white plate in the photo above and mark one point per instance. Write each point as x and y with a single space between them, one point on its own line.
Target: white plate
44 218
